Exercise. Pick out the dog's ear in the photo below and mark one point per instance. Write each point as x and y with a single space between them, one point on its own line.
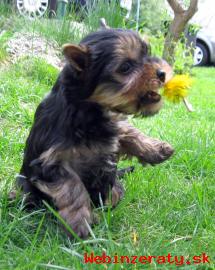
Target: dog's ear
76 55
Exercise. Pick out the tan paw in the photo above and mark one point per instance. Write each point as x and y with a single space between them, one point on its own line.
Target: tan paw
79 220
160 152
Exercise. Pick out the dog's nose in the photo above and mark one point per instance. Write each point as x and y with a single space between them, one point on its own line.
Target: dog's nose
161 75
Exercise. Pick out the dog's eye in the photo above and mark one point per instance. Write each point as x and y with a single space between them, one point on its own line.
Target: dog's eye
125 68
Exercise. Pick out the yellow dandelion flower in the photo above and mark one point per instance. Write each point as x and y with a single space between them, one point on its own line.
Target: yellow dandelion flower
134 236
177 88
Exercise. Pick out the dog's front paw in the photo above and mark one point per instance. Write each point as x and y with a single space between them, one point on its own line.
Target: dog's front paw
78 220
159 152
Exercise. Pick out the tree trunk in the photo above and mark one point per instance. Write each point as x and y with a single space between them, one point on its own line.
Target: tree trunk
177 27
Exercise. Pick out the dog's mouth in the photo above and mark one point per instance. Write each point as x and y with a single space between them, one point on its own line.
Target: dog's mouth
150 97
146 102
150 102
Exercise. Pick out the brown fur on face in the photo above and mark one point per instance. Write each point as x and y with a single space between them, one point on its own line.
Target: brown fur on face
138 96
137 91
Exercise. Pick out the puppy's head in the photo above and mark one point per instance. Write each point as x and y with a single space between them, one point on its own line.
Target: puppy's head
115 65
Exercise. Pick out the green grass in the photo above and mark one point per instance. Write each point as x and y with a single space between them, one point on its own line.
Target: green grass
170 207
112 13
67 29
5 8
4 37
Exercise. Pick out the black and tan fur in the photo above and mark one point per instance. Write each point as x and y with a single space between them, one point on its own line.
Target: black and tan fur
78 133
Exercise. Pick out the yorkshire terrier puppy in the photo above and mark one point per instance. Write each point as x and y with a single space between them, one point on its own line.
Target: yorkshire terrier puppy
78 133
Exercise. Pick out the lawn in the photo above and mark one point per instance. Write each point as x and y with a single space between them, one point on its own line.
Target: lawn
169 208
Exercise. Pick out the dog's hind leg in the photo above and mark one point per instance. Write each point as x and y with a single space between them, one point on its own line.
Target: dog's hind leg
117 194
72 200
